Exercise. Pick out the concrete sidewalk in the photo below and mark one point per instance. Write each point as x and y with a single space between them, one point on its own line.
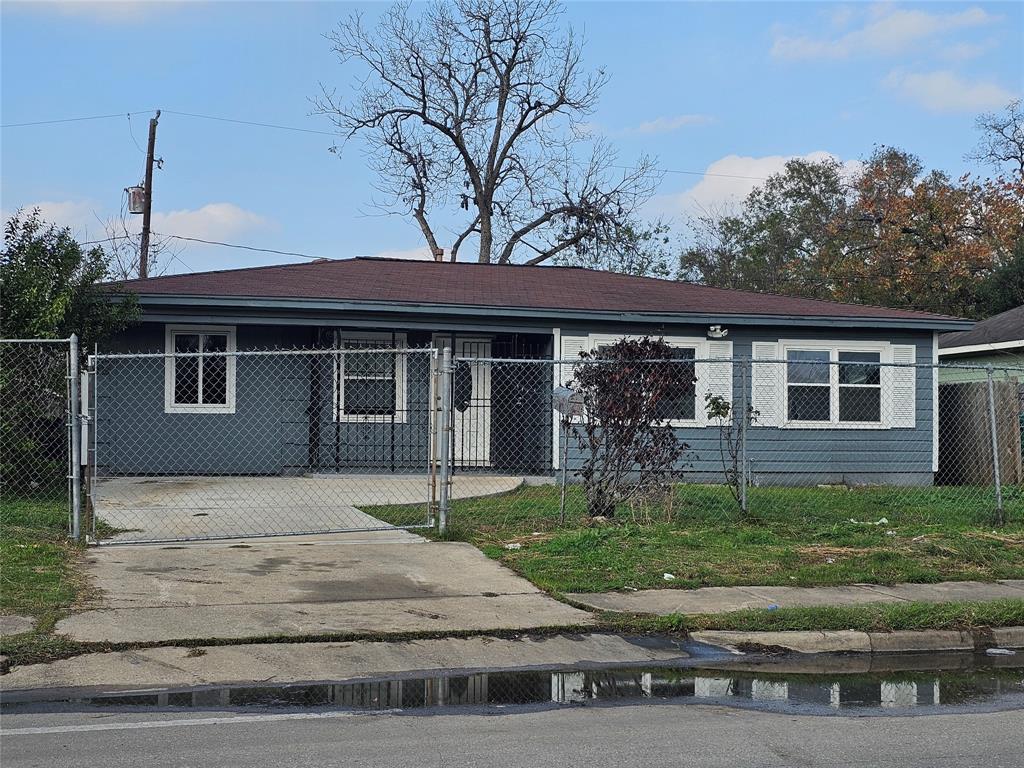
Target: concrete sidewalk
289 663
389 582
663 602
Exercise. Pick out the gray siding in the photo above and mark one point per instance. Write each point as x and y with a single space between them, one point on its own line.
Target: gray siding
785 456
270 431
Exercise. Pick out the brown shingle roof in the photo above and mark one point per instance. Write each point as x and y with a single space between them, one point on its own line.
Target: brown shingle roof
489 285
1006 326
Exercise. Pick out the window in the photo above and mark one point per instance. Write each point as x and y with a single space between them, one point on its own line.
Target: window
693 377
860 387
199 373
834 386
809 392
369 381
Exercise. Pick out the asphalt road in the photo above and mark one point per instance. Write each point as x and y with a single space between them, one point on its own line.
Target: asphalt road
593 737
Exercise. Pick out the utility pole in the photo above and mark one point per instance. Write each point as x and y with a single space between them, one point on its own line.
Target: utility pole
148 203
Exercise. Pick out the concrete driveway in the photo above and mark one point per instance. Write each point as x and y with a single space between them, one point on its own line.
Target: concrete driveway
176 508
381 582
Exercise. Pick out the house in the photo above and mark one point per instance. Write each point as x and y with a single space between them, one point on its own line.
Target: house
846 406
997 341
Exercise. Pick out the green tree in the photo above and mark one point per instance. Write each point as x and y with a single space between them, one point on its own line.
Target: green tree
1004 288
51 287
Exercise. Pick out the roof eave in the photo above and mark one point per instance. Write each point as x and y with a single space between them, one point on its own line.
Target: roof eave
242 302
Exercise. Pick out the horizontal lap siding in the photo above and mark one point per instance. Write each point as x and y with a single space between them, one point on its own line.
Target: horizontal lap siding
814 455
135 436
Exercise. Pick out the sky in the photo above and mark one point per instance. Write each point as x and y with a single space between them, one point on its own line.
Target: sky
722 94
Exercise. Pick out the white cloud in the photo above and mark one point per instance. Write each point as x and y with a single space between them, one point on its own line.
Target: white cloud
728 180
965 51
946 91
420 254
668 124
888 31
214 221
79 215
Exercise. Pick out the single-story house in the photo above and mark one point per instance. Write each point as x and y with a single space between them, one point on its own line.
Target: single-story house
814 425
997 341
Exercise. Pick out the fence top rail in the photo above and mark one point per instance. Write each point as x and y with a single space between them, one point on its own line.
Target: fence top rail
36 341
723 360
264 353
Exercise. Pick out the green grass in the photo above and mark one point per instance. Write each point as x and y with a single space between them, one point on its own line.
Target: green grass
37 571
872 617
793 536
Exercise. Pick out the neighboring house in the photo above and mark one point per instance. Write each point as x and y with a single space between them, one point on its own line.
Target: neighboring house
998 341
157 420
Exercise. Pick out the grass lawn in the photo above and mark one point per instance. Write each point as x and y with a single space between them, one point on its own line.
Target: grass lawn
37 573
793 536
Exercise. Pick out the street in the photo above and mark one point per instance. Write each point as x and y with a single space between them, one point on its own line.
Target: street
651 736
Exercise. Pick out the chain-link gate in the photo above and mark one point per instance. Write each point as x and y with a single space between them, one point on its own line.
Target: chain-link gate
39 466
204 442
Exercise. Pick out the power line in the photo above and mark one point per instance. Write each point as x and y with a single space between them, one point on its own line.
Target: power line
245 247
699 173
249 122
75 119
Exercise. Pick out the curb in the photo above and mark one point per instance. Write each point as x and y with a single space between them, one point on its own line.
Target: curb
851 641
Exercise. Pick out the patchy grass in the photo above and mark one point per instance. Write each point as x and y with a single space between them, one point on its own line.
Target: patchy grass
793 536
37 571
871 617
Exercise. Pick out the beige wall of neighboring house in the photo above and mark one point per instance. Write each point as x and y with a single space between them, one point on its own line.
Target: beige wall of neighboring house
1002 361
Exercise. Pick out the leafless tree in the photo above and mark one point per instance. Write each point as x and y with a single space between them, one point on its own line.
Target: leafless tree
1002 139
122 249
478 104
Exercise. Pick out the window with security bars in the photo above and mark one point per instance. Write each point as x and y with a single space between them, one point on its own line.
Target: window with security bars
369 377
200 370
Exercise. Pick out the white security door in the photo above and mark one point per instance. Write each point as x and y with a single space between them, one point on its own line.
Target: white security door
471 400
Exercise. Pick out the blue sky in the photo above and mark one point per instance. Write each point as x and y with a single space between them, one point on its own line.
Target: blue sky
709 88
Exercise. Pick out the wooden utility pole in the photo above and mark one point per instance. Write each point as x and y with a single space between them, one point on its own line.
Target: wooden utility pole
148 203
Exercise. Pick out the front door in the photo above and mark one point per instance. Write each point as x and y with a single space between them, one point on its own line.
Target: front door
471 400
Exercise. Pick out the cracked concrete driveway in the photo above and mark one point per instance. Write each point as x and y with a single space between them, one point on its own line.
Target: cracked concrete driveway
362 583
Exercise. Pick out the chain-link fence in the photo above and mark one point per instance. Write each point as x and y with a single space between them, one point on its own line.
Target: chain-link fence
209 443
819 436
36 429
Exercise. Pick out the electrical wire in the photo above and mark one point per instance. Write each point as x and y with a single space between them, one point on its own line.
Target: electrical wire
249 122
244 247
75 119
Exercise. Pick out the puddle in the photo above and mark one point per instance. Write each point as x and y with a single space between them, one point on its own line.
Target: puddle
957 683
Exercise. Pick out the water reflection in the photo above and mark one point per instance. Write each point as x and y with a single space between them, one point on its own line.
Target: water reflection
897 691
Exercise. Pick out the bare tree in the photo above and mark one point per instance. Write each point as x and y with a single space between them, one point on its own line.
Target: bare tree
1002 139
478 105
122 249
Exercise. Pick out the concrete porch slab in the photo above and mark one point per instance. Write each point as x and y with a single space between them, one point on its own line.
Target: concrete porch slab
187 507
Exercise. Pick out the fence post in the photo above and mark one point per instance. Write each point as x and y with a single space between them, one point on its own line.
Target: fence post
744 416
995 445
76 443
445 442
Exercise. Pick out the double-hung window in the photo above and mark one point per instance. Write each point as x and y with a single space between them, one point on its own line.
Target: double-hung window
199 370
369 377
833 386
693 373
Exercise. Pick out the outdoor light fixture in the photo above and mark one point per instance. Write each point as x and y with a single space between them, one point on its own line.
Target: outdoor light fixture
717 332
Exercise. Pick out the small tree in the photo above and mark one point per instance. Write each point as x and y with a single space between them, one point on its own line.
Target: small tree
627 390
730 435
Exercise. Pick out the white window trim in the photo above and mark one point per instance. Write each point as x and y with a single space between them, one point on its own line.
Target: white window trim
338 377
884 350
169 370
701 353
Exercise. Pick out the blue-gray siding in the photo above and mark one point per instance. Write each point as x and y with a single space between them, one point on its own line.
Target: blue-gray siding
270 433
